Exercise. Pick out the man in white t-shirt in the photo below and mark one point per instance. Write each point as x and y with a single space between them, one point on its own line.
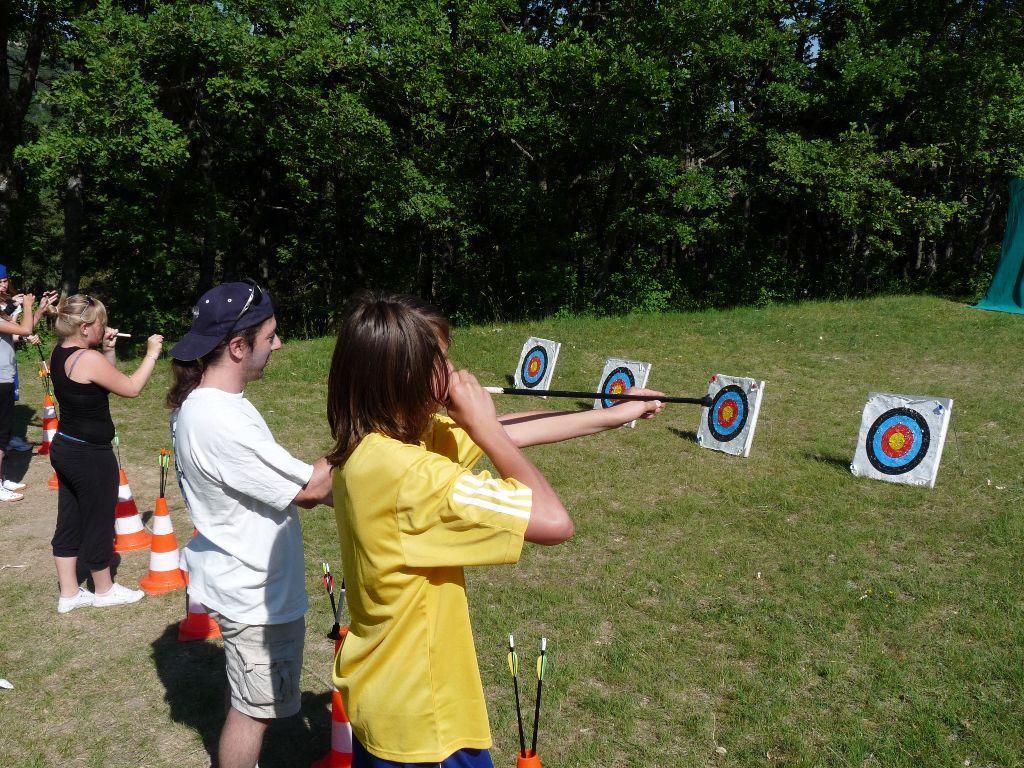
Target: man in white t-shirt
242 489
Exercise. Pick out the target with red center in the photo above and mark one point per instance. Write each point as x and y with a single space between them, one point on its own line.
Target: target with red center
619 376
901 438
536 363
898 441
617 383
534 366
728 421
728 413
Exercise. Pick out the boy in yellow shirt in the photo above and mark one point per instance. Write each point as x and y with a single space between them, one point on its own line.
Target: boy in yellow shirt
412 514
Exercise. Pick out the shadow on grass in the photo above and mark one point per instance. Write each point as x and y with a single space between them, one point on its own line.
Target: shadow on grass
196 691
832 460
16 462
686 434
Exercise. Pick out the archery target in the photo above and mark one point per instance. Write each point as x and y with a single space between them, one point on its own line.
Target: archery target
901 438
618 376
728 423
537 363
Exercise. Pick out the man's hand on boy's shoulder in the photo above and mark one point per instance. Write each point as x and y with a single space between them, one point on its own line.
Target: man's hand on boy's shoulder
318 489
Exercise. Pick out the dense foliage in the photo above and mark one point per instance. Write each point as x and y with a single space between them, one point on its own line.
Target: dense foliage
511 159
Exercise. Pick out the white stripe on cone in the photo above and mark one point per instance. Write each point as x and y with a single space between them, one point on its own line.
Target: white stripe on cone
194 606
163 561
162 525
126 525
124 493
49 434
341 737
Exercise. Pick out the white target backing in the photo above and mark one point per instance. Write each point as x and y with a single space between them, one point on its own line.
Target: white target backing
901 438
537 363
728 424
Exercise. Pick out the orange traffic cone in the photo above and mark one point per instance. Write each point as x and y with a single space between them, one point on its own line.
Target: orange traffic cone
50 425
340 755
197 624
53 482
164 561
130 535
528 760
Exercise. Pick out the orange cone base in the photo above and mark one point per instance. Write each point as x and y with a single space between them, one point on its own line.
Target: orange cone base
159 582
197 626
132 542
529 760
53 483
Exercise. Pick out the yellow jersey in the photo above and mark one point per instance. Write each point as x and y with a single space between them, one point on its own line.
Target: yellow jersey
410 517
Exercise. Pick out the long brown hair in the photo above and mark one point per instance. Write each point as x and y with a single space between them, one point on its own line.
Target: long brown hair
186 376
388 372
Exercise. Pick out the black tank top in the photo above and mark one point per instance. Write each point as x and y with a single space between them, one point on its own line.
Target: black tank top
84 408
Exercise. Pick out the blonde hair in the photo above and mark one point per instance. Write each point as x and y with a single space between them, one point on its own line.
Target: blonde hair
78 309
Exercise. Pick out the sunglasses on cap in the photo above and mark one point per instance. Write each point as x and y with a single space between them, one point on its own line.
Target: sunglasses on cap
255 297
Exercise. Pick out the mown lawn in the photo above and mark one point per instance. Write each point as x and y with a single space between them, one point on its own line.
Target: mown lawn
711 610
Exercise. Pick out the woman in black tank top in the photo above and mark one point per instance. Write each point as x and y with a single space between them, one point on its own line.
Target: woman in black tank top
81 454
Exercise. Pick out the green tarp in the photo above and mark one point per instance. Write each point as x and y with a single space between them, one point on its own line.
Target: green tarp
1006 294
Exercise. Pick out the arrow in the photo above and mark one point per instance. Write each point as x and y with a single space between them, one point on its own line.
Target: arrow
165 463
705 401
513 667
542 667
44 369
335 632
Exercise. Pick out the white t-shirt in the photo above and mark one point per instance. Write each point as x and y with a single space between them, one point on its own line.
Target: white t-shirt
246 561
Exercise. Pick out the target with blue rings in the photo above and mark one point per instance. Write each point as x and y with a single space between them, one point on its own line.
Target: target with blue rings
898 441
727 414
616 383
534 367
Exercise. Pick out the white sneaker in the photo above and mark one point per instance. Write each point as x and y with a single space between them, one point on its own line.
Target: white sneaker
84 597
118 595
10 485
6 495
18 443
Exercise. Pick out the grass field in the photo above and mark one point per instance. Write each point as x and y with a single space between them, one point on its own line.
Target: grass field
711 610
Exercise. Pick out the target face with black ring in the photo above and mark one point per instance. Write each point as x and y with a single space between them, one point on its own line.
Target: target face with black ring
536 363
728 413
727 424
901 438
618 382
618 376
898 441
534 366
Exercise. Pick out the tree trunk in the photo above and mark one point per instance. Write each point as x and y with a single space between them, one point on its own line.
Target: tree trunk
207 251
8 196
981 241
74 216
15 99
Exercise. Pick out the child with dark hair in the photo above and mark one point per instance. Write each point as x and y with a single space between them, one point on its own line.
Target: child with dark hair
412 513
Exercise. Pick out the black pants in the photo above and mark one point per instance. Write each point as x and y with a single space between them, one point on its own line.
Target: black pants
86 501
6 413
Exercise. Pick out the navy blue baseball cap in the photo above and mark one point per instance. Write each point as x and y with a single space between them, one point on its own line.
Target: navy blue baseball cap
223 310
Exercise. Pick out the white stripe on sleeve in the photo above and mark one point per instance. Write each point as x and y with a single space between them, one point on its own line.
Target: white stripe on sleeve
478 502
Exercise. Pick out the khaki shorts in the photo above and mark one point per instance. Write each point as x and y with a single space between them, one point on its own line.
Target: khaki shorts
264 663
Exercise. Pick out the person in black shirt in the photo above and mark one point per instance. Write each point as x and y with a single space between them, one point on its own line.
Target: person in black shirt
82 456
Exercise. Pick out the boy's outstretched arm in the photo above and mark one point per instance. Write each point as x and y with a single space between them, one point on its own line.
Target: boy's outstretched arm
540 427
472 408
